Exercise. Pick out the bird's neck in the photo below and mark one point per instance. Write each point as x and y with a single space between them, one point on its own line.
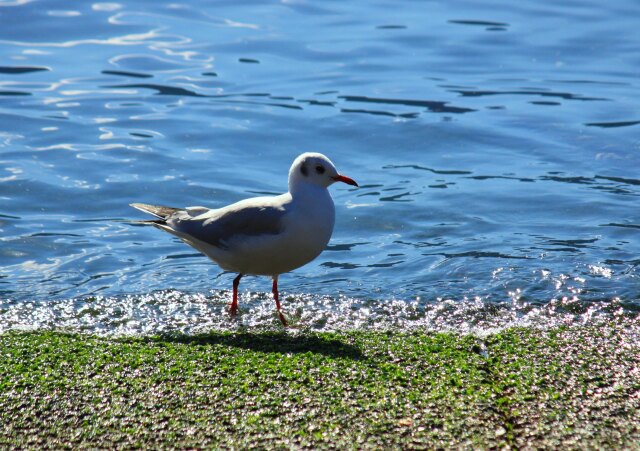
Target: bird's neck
311 196
307 190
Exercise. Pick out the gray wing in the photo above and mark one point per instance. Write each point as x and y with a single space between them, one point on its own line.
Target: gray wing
219 227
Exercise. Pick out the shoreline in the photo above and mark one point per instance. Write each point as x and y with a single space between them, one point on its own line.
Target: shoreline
565 387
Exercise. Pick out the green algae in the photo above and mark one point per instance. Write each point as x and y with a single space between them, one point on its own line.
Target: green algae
520 388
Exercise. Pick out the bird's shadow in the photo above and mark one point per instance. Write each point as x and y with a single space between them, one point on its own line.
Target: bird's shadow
269 342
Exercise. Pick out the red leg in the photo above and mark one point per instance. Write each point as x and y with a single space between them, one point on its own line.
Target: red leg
276 297
233 307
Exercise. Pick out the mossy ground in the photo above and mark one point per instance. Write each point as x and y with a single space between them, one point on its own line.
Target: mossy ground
522 388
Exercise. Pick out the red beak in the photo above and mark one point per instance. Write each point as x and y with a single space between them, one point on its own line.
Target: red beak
345 179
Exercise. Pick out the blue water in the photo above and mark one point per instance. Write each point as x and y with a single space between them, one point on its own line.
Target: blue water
497 147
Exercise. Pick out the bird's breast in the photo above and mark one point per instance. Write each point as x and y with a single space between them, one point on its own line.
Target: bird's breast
310 226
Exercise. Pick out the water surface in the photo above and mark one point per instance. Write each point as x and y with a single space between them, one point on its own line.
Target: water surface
496 145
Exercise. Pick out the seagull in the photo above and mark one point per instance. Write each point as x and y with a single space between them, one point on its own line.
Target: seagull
265 236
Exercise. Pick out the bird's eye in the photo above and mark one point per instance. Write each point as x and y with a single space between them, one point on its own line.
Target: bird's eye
304 170
320 169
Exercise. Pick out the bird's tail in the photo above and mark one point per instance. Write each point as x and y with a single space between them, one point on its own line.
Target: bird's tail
159 211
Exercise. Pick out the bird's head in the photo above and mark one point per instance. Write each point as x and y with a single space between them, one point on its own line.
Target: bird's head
315 169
